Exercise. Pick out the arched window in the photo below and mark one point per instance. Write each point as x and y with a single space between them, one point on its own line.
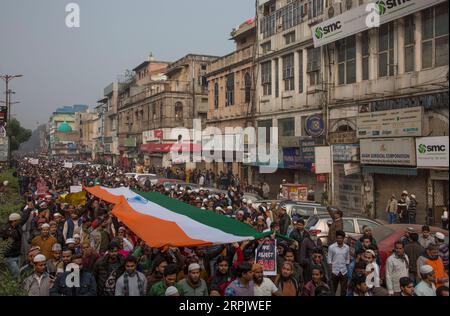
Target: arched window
178 111
216 95
248 87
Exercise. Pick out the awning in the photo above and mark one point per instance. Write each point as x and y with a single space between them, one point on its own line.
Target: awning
389 170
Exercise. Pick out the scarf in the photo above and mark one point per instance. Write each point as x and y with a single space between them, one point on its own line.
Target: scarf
126 288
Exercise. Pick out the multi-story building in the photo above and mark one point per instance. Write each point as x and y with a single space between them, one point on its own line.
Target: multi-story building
231 93
63 131
319 91
398 73
86 121
133 115
170 104
290 90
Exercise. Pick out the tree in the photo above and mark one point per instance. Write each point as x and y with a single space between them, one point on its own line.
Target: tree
18 134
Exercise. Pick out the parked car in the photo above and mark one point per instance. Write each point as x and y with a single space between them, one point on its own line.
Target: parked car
387 235
353 225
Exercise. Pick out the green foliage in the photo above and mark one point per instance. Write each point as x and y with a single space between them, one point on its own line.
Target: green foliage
18 134
10 203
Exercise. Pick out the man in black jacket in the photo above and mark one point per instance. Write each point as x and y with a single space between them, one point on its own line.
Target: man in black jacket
86 287
285 221
13 232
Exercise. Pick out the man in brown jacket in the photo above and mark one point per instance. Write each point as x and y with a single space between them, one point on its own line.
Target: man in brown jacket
45 241
337 224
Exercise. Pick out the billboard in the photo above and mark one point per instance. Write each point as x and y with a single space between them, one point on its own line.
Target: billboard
388 151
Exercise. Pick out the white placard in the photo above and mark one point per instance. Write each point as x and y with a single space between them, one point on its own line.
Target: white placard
432 152
352 168
76 188
68 165
34 161
388 151
323 159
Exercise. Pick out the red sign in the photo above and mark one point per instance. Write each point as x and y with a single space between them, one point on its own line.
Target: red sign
159 133
321 178
170 147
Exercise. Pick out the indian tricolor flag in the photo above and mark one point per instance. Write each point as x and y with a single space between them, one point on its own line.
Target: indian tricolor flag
162 221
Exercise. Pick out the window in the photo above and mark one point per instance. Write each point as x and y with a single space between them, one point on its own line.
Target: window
266 47
277 78
435 36
286 127
203 67
248 87
365 55
216 95
266 77
230 90
300 63
313 67
291 15
346 51
268 26
386 50
288 72
289 38
315 8
409 43
349 225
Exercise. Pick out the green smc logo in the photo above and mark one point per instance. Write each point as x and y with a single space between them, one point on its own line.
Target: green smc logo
380 7
422 148
319 33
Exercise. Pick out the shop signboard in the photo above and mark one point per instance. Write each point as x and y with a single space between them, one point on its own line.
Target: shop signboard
388 151
392 123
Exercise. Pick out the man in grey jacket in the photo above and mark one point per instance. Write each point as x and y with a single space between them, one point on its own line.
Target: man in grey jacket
193 285
39 283
131 282
397 266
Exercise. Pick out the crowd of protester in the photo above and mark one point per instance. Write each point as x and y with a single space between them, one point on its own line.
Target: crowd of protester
48 237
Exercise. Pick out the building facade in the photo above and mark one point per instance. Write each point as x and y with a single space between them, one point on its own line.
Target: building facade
231 93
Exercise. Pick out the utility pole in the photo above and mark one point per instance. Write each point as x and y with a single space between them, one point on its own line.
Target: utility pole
7 79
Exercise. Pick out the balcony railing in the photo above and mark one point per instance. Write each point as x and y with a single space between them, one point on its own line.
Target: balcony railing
231 59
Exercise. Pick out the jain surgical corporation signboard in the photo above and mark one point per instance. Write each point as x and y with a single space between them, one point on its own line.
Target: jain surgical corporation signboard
392 123
388 151
432 152
360 19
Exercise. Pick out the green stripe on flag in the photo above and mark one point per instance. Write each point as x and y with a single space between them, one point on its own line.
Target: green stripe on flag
208 218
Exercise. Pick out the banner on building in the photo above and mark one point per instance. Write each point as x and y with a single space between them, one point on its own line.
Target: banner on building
323 159
343 137
266 255
388 151
359 19
391 123
432 152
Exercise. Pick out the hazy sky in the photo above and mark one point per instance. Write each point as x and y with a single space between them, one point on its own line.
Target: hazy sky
63 66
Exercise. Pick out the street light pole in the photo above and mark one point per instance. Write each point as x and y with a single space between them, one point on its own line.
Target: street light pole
8 78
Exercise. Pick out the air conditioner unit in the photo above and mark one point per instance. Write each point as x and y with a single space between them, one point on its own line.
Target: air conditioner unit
334 10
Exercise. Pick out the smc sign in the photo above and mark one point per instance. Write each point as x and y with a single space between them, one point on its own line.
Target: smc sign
432 152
